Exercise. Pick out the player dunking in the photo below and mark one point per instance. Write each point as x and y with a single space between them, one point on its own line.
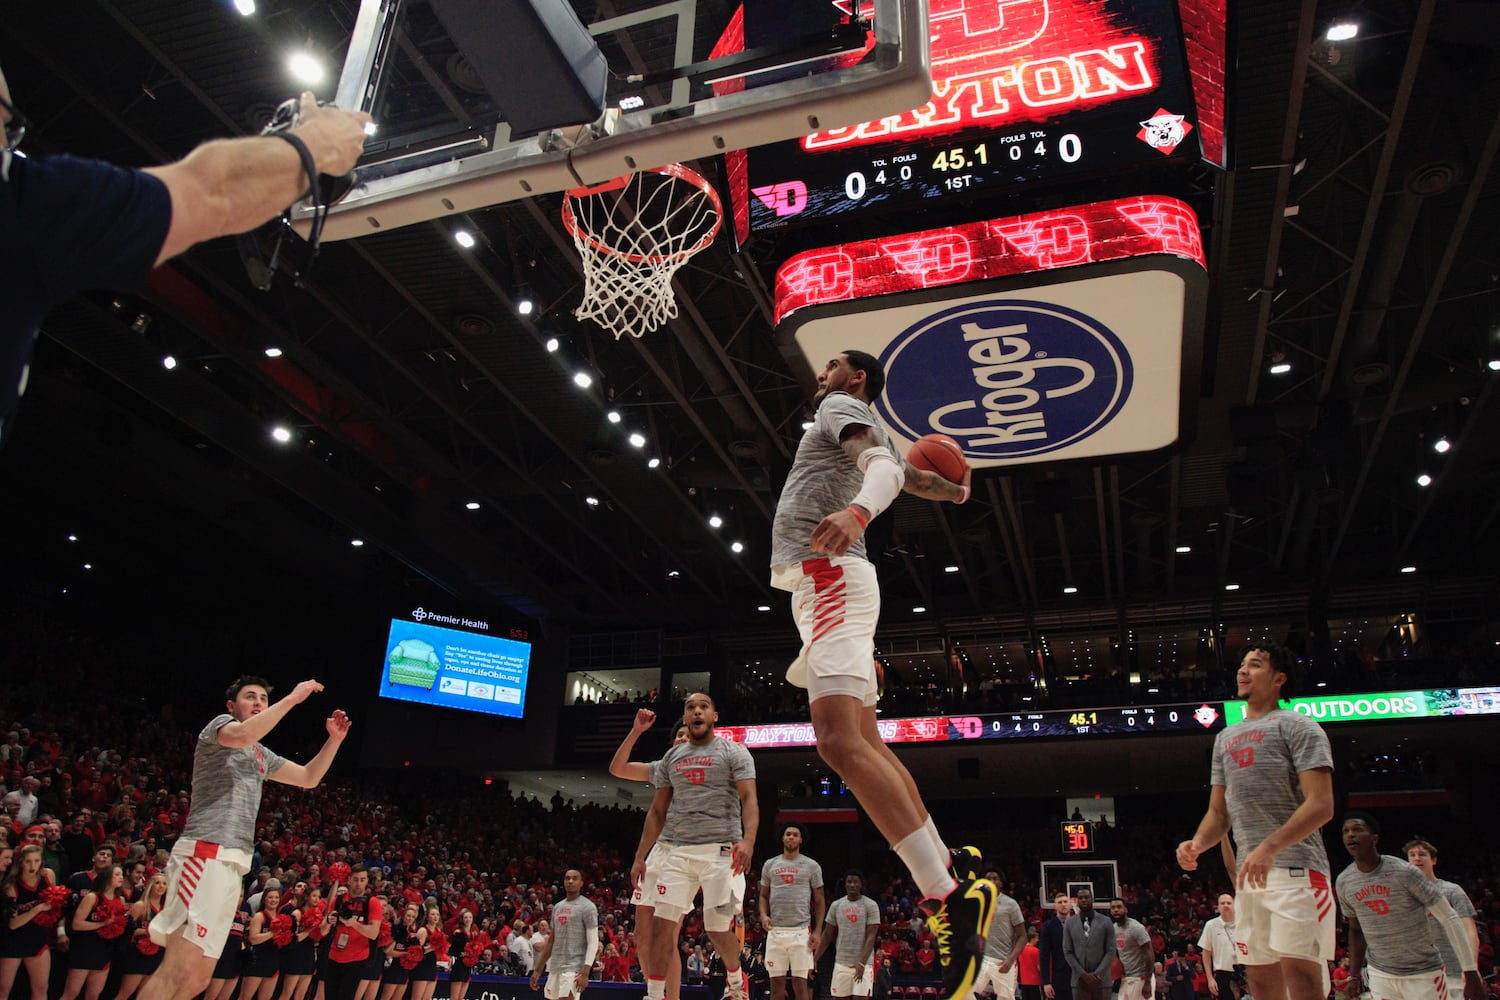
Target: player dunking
705 807
1272 780
230 768
1387 902
845 473
622 767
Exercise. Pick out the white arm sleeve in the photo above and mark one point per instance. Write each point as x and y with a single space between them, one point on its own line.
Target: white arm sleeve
1447 916
884 478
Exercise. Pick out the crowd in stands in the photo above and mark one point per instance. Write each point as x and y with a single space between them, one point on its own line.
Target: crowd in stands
80 776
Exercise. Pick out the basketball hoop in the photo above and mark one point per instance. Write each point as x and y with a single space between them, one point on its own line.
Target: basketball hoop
633 233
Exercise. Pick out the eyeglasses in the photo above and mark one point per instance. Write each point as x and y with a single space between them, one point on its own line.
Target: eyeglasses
15 129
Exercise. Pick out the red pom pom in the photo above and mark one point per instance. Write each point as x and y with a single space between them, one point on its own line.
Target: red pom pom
411 957
145 945
438 942
112 913
384 939
313 918
281 929
56 897
338 873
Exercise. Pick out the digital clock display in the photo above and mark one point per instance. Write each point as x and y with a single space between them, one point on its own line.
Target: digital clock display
1022 91
1103 722
1077 837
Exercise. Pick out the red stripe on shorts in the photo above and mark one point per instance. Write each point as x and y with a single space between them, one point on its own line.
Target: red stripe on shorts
829 586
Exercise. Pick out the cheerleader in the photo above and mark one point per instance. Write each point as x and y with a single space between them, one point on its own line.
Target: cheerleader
263 964
403 936
458 943
300 958
424 976
27 922
94 943
138 964
227 971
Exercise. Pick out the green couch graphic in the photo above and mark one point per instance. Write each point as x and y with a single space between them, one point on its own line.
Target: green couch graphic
413 663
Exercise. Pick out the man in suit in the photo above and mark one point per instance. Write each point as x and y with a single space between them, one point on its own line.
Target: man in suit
1089 946
1057 977
1179 975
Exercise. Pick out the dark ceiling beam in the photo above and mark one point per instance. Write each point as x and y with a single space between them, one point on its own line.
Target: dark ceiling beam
1102 525
1470 448
1378 193
1007 539
1306 26
957 551
1174 509
1023 546
1483 165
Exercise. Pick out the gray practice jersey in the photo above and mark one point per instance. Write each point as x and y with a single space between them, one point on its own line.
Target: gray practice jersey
227 783
851 918
1002 936
1258 762
1133 947
1391 904
1464 907
823 479
790 882
705 806
574 921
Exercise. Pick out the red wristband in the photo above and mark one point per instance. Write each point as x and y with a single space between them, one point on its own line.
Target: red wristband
864 522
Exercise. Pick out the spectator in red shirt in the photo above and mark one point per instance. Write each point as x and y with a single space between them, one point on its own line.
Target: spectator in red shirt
1029 966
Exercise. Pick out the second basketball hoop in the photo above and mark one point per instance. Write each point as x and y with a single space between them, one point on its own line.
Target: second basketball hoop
633 233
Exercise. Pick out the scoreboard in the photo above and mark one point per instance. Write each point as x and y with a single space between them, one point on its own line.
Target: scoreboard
1023 90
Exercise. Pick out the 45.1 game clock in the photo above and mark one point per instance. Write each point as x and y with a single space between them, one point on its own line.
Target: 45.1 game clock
1077 837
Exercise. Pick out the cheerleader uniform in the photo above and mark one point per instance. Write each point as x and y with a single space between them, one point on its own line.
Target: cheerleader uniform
137 964
264 959
89 950
458 943
31 938
397 974
233 955
426 970
299 958
375 964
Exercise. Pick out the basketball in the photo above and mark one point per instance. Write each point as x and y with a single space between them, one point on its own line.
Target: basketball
938 453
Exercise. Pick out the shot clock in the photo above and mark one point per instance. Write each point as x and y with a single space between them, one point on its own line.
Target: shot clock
1077 838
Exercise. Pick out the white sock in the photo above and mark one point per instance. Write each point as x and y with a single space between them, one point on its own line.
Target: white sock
927 862
656 988
937 839
734 986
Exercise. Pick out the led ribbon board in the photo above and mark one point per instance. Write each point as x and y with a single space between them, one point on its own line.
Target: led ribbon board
1069 334
1386 705
1194 717
1023 90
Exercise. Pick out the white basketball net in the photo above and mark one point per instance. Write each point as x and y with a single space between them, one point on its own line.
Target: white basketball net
633 234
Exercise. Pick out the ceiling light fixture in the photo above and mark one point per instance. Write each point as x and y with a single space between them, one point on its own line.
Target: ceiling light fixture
1070 590
245 7
1442 446
463 238
552 345
304 67
357 542
591 501
1408 569
525 307
1183 550
637 439
950 569
583 380
169 362
1424 480
1231 586
715 521
1342 31
273 352
736 547
1281 368
614 416
472 505
281 434
653 463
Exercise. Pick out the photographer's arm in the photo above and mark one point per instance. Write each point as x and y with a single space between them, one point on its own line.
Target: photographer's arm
231 186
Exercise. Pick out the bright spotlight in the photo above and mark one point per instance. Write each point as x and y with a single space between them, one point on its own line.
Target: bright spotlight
583 380
304 67
463 238
281 434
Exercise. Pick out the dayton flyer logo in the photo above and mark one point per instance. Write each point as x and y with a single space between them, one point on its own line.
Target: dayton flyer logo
1008 379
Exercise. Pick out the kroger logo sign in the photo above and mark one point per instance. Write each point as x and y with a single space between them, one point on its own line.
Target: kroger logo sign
1006 378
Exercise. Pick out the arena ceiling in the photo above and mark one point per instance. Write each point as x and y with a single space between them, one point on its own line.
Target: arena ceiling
1355 240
